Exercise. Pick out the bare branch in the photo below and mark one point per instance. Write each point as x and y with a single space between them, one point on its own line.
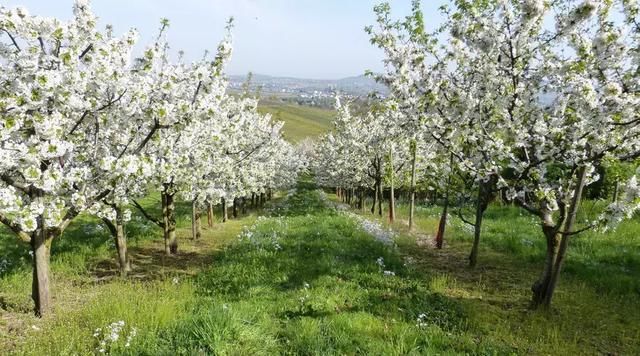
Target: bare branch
528 207
464 220
77 124
42 45
12 182
576 232
15 227
86 50
12 39
147 215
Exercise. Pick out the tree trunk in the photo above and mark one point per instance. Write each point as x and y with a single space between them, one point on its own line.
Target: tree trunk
380 195
40 290
235 208
375 198
117 230
244 205
412 188
209 214
540 287
253 200
169 218
165 223
443 218
361 199
193 219
121 243
196 228
616 189
198 225
568 229
477 227
392 193
224 210
443 222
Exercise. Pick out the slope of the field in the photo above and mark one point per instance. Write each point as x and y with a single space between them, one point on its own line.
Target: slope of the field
299 121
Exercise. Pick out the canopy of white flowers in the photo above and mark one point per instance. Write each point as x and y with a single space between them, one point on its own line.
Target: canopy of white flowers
84 122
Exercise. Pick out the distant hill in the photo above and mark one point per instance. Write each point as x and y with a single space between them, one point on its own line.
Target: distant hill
356 86
299 121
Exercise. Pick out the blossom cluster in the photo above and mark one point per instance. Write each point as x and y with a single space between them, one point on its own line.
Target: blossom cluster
86 126
108 338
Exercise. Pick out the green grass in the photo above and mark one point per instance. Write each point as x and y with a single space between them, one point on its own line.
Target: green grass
299 121
305 280
597 305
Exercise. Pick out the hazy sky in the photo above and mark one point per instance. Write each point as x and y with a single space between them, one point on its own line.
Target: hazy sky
300 38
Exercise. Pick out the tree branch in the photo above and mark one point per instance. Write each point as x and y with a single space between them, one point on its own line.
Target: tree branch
110 226
21 187
147 215
86 50
576 232
528 207
12 39
15 227
461 216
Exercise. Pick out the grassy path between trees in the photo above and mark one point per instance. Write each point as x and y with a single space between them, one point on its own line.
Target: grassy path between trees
304 279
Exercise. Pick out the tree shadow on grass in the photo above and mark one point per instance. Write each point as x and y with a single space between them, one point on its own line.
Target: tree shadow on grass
151 263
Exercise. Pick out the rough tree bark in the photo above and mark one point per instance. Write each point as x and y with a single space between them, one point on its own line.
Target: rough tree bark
557 235
40 288
392 198
566 235
375 198
412 188
223 206
209 214
443 222
540 287
235 208
443 218
380 197
118 232
485 196
196 229
169 222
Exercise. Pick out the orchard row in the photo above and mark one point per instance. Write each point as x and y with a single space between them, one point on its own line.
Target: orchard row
528 100
86 126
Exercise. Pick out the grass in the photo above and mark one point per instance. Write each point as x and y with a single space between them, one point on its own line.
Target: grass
299 121
305 279
597 305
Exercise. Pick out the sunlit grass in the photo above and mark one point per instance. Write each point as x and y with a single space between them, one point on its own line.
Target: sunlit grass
597 304
300 121
306 279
